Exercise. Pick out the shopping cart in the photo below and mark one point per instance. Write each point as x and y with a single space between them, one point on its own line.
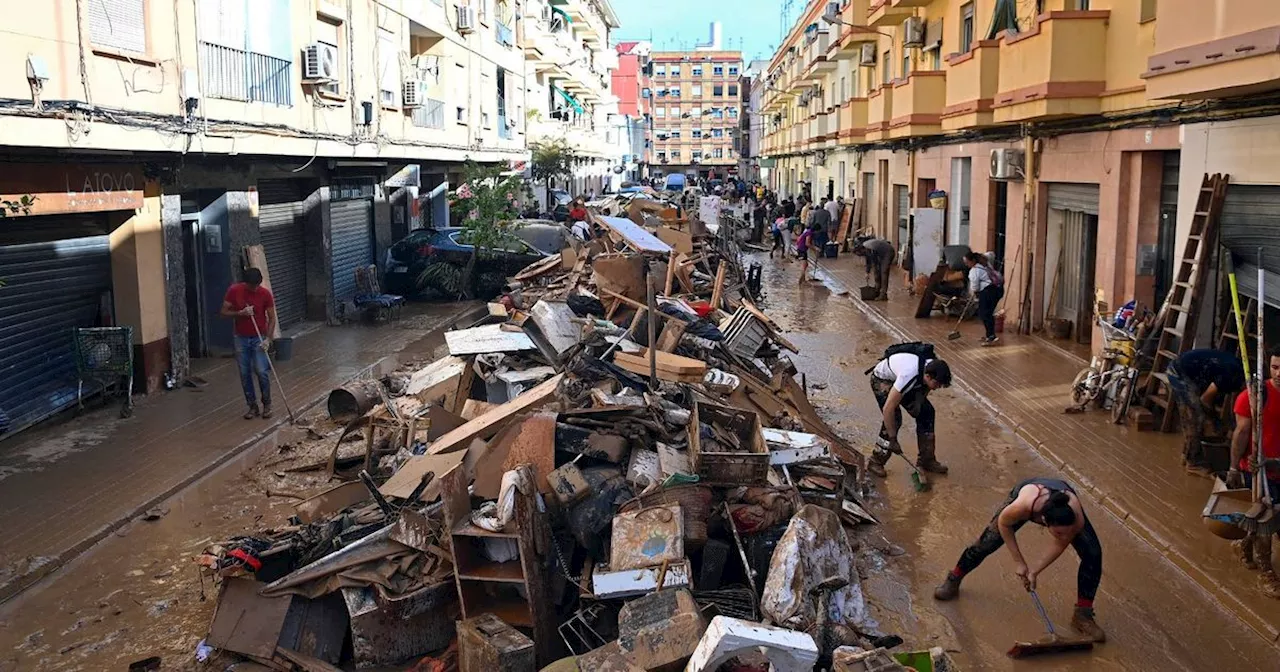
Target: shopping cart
104 356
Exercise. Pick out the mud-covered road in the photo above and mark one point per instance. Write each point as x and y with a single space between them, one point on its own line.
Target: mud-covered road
1156 618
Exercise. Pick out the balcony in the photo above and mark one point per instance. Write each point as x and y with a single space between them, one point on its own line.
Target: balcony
1203 50
848 43
918 102
817 63
851 125
884 13
880 112
1056 69
973 79
911 3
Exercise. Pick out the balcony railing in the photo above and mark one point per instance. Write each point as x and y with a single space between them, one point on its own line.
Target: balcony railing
1059 67
973 79
918 103
236 74
429 115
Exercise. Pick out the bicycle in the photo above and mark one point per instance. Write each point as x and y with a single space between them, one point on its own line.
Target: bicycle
1112 376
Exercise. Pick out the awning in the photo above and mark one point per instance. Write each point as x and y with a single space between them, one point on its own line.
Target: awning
573 102
563 14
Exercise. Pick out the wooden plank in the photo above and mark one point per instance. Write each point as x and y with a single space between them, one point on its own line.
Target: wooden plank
540 267
671 274
636 237
407 478
535 444
672 332
474 407
679 240
619 274
717 290
256 257
671 367
637 305
488 423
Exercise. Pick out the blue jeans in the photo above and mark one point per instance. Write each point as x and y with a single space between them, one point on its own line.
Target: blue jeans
253 360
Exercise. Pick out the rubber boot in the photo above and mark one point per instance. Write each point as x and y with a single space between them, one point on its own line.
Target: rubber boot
875 465
928 459
1082 622
1244 552
948 589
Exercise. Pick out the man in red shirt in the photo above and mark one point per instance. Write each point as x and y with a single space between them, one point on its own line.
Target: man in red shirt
1255 550
254 310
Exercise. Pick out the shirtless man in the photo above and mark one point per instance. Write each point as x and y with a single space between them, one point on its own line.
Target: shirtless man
1052 503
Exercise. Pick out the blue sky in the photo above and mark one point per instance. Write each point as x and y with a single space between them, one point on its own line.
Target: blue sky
749 25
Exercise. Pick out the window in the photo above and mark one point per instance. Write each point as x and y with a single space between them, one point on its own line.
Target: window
662 93
906 62
504 32
119 25
246 61
718 153
718 70
697 71
695 112
697 134
717 90
696 91
662 156
966 27
388 69
886 70
660 112
733 71
675 134
717 113
733 89
697 155
646 92
733 113
330 34
844 89
675 155
1147 11
504 125
660 71
935 59
675 71
717 132
675 93
675 110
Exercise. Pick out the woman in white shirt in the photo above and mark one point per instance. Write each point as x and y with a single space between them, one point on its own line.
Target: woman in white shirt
988 292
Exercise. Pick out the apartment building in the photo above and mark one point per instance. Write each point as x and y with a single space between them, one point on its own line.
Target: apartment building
1035 125
568 77
696 106
147 144
630 83
751 122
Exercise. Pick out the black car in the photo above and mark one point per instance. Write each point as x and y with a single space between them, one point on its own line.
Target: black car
432 261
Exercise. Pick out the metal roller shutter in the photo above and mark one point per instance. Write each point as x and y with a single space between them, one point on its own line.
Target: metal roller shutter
1251 219
1075 197
351 234
50 288
283 241
904 213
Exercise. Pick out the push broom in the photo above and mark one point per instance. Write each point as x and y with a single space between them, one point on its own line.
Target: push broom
1054 643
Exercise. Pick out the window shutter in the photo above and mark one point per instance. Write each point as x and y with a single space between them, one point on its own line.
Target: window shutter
118 24
388 66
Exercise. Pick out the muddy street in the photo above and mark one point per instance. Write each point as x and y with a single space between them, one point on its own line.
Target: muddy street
1154 615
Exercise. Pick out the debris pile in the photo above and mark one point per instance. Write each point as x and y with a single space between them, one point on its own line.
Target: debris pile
614 469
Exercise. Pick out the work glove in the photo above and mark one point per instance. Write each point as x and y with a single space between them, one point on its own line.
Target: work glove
889 445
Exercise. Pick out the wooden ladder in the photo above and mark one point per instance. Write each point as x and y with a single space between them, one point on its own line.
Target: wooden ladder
1181 310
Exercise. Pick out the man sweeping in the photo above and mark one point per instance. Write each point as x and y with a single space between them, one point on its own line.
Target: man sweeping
1255 548
903 380
880 256
1054 504
1198 379
253 308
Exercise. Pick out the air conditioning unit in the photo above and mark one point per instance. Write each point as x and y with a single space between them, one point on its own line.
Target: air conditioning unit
868 57
1006 164
320 62
415 92
466 19
913 32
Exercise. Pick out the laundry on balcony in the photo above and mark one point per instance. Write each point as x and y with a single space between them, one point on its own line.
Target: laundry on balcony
573 102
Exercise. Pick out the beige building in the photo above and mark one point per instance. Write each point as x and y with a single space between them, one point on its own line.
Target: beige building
1033 124
696 104
147 143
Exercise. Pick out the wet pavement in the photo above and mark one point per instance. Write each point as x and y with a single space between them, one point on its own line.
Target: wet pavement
1155 615
66 486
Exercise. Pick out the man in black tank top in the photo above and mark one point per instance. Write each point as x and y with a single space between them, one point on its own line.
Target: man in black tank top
1053 503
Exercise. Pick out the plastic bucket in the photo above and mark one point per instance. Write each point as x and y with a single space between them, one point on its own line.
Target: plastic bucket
284 348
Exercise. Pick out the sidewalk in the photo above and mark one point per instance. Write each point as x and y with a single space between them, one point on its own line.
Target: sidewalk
1138 476
65 487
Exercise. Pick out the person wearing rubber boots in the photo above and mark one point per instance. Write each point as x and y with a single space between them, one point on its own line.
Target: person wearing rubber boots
1198 378
1054 504
903 380
1255 549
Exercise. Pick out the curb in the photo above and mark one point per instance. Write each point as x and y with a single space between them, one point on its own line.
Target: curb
1224 597
23 582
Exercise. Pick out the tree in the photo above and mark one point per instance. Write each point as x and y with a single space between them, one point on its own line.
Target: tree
552 160
485 206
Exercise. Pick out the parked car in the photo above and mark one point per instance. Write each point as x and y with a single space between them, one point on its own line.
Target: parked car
559 205
675 182
432 261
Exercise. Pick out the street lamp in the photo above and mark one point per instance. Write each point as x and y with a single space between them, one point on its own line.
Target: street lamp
835 20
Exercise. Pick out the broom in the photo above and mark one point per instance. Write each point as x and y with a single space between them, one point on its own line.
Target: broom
1260 518
1053 644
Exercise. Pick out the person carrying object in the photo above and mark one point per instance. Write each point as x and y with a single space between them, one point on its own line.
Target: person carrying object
903 379
1255 549
982 282
253 309
880 256
1054 504
1198 378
